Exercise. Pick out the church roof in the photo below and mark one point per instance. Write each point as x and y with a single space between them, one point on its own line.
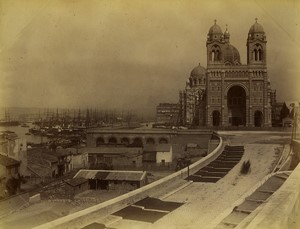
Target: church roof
256 28
215 29
231 54
198 71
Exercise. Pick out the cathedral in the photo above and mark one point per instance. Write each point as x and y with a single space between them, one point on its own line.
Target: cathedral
227 92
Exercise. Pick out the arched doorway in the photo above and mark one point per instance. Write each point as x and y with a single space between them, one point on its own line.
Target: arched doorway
236 102
216 118
258 118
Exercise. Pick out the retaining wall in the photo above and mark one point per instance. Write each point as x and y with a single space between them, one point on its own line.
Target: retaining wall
282 205
83 217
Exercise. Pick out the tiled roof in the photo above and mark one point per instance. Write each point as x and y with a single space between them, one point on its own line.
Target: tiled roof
41 155
76 181
7 161
62 152
111 175
40 170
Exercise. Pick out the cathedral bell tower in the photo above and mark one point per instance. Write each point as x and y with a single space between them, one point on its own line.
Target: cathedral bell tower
215 39
256 45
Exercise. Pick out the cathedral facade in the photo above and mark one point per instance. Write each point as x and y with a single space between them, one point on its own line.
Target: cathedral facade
226 92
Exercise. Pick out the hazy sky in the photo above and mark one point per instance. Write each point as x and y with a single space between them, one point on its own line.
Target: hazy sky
131 54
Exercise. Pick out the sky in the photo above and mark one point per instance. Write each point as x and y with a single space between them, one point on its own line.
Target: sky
131 54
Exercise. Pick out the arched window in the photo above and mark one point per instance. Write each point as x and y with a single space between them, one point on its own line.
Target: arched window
100 141
260 55
255 54
125 141
215 53
217 56
258 52
138 142
112 141
163 141
150 141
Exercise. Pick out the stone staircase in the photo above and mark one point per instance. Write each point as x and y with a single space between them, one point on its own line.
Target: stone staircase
218 168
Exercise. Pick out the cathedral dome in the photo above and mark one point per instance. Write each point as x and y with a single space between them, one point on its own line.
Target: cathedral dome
231 54
256 28
215 29
198 71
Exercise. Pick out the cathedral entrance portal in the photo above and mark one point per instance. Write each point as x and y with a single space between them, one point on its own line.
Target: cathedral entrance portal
236 102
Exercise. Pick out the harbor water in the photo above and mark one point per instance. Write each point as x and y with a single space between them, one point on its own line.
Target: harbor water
21 133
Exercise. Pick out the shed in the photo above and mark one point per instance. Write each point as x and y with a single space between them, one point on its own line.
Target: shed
113 179
75 186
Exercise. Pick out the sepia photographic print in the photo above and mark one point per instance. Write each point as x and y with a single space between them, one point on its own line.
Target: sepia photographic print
136 114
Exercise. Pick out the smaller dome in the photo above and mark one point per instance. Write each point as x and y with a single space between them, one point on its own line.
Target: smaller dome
198 71
256 28
231 54
215 29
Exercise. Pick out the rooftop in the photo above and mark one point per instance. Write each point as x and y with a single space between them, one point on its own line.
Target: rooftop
76 181
111 175
7 161
41 155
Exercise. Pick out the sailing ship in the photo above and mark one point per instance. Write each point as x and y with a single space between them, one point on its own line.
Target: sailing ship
7 121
